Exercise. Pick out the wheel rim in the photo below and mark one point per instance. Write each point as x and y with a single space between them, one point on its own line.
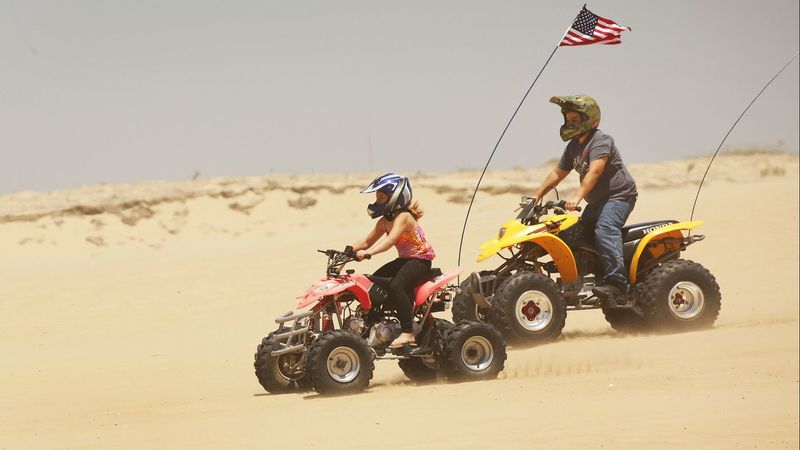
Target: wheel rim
534 311
283 368
344 364
477 353
686 300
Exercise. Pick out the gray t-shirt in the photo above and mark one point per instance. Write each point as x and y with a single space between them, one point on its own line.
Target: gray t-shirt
615 183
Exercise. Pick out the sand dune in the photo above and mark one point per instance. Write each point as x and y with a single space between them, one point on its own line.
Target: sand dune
129 315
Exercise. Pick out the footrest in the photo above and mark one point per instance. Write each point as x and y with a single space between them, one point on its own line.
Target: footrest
405 350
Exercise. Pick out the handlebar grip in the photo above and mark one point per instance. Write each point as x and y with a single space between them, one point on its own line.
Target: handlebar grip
563 205
367 256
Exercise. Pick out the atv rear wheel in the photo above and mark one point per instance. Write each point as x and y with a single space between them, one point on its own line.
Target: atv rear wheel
339 362
275 373
679 295
472 351
624 320
529 308
465 308
419 370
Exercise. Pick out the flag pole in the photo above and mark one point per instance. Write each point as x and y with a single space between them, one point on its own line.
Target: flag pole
496 145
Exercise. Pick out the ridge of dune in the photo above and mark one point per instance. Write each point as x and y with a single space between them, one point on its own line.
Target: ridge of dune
130 201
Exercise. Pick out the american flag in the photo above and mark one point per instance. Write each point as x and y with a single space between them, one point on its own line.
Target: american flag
590 28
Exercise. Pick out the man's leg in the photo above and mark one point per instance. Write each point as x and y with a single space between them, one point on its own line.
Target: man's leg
608 237
590 214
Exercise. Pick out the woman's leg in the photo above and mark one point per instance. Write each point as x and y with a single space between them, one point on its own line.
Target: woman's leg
407 278
390 269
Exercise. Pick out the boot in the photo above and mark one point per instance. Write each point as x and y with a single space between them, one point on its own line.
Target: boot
610 294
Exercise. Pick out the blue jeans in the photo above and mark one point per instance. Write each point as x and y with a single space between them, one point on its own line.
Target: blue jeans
607 219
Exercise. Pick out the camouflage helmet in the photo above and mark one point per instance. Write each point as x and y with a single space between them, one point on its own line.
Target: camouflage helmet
583 105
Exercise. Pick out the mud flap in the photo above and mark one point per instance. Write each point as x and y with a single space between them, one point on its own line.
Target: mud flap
482 286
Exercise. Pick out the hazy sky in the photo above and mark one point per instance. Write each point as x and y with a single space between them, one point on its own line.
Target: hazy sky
121 91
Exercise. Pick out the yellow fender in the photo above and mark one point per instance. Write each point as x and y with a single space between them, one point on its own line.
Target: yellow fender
516 233
673 230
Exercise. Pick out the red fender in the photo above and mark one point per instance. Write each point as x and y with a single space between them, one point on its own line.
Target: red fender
423 291
361 290
359 285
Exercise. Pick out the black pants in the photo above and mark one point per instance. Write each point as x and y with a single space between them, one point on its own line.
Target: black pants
406 274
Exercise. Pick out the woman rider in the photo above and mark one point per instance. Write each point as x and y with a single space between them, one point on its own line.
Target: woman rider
398 218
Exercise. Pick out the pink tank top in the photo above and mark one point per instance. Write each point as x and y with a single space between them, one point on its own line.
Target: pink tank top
413 244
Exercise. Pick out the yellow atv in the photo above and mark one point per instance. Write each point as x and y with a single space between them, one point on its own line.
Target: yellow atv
551 265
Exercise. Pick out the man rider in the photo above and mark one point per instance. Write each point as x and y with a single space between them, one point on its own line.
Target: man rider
606 185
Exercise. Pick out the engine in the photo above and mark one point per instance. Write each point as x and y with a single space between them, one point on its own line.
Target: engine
355 324
383 333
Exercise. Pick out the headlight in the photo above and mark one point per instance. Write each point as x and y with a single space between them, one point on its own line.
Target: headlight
501 233
326 286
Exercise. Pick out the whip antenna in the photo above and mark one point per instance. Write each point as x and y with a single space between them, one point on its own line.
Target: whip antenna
732 127
461 243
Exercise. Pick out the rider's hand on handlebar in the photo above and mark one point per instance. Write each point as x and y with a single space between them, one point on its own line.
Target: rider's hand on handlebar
572 205
362 255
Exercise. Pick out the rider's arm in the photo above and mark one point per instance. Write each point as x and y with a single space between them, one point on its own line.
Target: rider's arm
552 180
371 238
403 221
596 167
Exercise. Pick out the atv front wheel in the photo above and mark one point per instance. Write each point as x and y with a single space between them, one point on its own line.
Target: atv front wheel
679 295
278 374
465 308
339 362
529 308
472 351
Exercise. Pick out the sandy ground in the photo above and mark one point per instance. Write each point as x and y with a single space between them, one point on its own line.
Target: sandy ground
129 316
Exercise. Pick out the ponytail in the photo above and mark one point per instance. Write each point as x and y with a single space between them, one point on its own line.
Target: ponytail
416 210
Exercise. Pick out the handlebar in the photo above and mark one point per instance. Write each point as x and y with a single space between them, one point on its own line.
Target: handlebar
532 210
562 204
337 260
348 253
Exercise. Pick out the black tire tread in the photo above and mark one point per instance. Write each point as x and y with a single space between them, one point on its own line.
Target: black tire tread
450 357
264 364
417 371
503 314
463 304
624 320
323 385
650 300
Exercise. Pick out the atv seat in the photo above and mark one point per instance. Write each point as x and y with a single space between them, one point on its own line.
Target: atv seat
385 281
636 231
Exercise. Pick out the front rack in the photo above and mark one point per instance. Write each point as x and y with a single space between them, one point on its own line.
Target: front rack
294 340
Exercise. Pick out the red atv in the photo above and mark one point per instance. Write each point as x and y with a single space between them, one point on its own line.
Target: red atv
332 346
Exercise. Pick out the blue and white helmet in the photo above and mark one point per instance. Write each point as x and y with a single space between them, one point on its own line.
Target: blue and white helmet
397 187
